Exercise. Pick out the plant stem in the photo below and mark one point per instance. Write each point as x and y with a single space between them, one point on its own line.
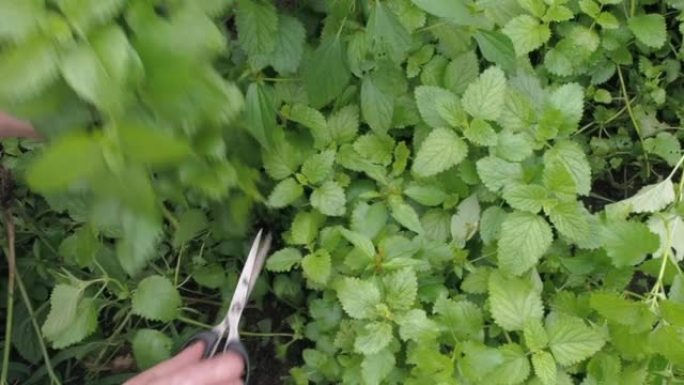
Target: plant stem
36 328
256 334
628 104
191 321
11 267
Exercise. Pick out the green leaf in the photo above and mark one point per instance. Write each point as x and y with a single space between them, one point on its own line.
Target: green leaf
572 158
137 245
359 298
156 298
524 239
152 147
325 73
526 33
20 19
456 11
283 260
369 220
405 215
67 161
627 242
401 289
318 167
664 145
375 148
497 48
387 32
289 44
151 347
441 150
535 336
544 367
484 98
311 119
651 198
190 224
667 340
525 197
462 319
360 241
425 194
81 247
344 124
83 14
514 369
376 367
433 102
317 266
377 106
257 25
28 69
464 223
460 72
514 301
81 327
304 228
373 337
480 132
260 114
329 199
284 193
490 223
414 325
212 275
569 100
514 147
570 219
571 340
496 172
670 230
63 310
649 29
617 309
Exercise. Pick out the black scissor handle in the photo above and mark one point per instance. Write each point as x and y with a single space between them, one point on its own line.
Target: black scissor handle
211 339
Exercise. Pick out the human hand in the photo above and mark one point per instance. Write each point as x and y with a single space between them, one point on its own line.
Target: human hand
187 368
11 127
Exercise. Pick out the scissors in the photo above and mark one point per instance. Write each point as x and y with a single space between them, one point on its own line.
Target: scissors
224 336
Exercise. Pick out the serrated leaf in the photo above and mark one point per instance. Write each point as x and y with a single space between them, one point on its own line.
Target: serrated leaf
369 220
329 199
619 310
81 327
150 347
311 119
344 124
514 147
284 193
283 260
570 155
325 73
212 275
570 219
190 224
63 310
627 242
480 132
359 298
376 367
304 228
535 335
497 48
496 172
425 194
569 100
257 25
433 102
405 214
525 197
289 45
649 29
460 72
441 150
317 266
360 241
375 148
462 319
490 223
156 298
526 33
652 198
401 288
456 11
386 32
464 223
514 301
260 114
524 239
319 166
670 229
484 98
544 367
373 337
571 340
137 245
377 106
414 325
514 369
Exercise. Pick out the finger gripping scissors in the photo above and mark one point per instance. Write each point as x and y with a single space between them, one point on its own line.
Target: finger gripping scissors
225 336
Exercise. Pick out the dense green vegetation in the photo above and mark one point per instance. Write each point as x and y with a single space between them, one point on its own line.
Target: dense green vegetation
463 191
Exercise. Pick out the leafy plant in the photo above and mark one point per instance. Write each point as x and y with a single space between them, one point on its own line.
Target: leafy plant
470 192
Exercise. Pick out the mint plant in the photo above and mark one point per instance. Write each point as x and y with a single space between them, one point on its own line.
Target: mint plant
466 192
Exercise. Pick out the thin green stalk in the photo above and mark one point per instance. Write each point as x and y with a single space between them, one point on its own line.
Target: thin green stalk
628 104
8 335
191 321
36 329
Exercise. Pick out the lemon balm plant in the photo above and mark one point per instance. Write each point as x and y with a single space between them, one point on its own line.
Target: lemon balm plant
469 192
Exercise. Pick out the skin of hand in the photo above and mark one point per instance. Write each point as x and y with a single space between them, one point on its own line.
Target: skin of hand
11 127
187 368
